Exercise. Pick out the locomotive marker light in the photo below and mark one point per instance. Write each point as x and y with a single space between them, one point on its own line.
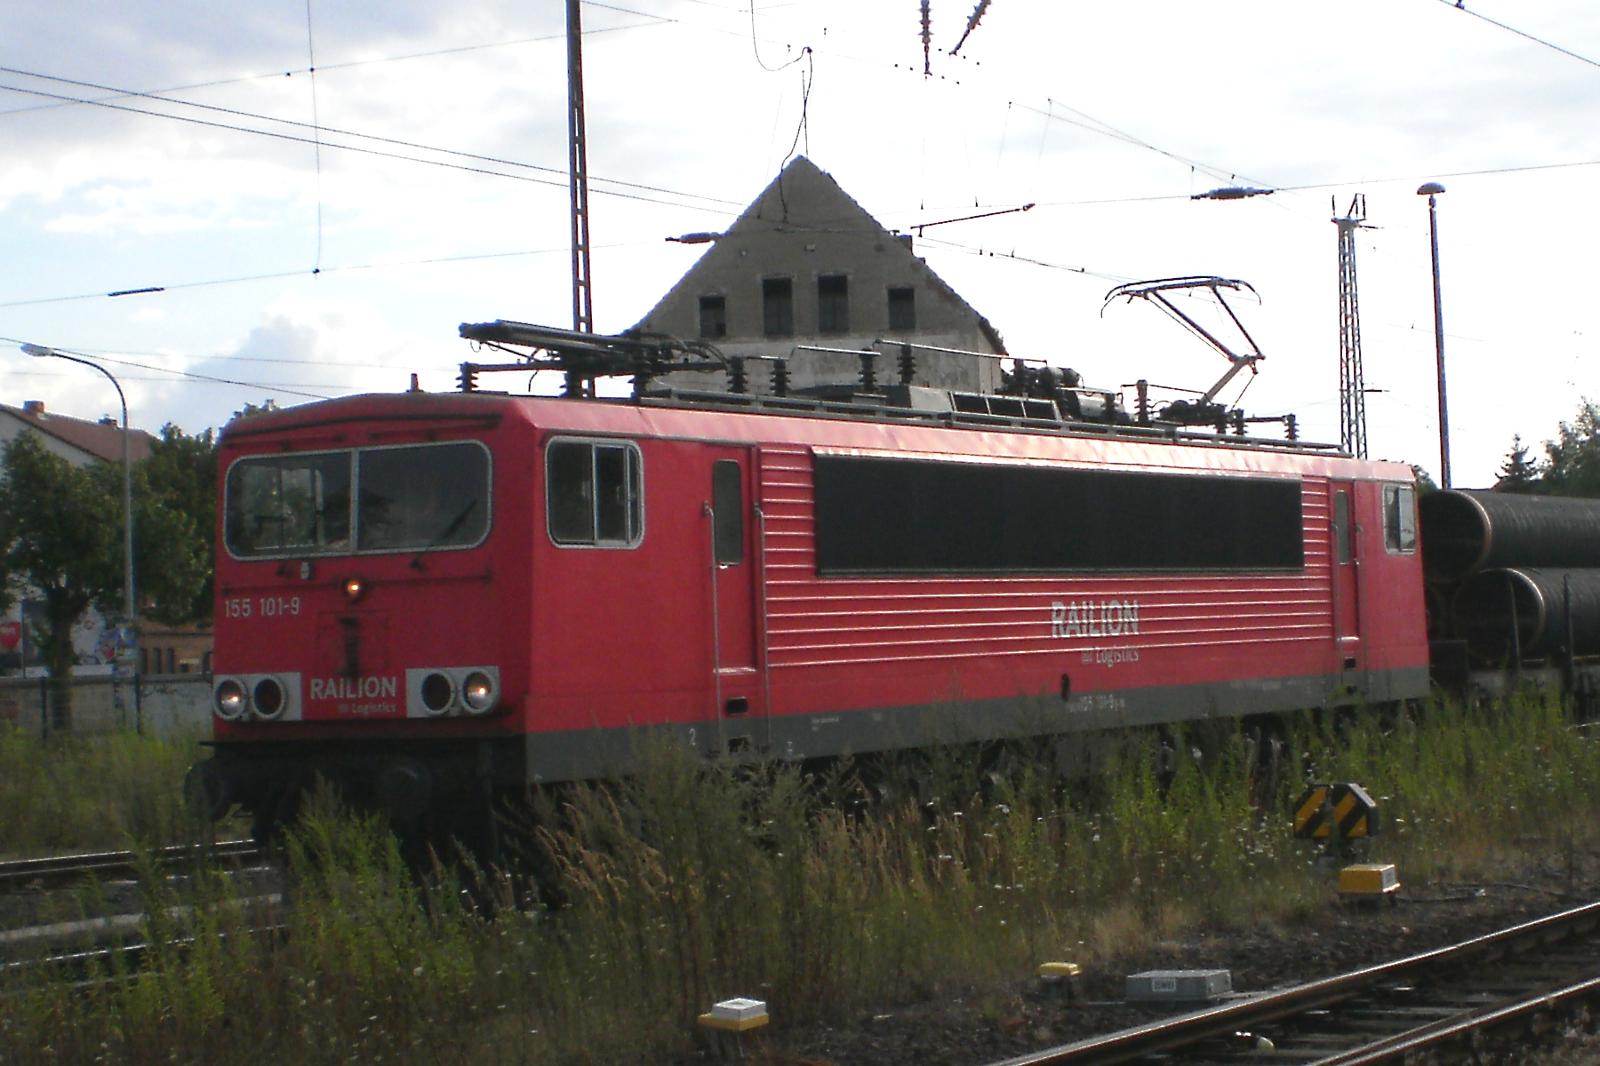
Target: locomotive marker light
438 693
435 692
478 692
268 698
230 700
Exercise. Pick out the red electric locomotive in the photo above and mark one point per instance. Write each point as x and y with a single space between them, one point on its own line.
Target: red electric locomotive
431 598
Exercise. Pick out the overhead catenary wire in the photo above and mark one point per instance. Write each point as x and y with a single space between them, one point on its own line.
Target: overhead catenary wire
1092 124
1460 5
556 172
1088 122
432 53
316 127
281 274
965 249
190 374
1049 112
1095 125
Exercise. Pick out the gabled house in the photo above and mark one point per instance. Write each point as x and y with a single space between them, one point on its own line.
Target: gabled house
806 267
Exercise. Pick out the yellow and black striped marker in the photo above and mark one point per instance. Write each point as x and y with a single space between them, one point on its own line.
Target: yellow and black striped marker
1345 805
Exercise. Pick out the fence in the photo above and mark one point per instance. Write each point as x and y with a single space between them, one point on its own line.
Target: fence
165 705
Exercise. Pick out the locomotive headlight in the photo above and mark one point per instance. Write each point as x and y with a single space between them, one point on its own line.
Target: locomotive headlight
438 692
268 698
478 692
354 589
229 700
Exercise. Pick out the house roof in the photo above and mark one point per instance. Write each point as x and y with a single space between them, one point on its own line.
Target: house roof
102 440
806 202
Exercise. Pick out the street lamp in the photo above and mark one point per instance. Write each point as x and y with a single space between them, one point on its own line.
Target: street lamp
1431 190
39 351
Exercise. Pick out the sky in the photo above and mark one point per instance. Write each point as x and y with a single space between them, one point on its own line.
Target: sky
317 234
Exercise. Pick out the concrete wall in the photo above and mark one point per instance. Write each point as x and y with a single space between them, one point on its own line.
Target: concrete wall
176 705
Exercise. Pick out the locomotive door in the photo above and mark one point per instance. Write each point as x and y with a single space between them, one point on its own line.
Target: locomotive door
731 556
1346 588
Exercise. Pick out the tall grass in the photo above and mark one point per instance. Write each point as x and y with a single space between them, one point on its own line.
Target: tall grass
691 883
88 793
1466 786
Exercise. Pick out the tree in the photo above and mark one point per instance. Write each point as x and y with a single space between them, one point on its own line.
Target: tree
1518 473
182 473
61 535
1572 458
57 535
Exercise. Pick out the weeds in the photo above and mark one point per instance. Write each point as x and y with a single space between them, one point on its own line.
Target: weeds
693 882
89 793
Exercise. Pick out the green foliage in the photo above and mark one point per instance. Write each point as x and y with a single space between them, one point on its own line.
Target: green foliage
179 481
91 793
57 536
62 539
1456 783
1571 462
1518 473
1572 457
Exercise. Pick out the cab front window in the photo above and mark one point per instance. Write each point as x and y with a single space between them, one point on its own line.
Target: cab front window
289 504
406 498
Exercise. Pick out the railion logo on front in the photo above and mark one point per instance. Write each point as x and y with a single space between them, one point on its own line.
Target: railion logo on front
355 688
370 696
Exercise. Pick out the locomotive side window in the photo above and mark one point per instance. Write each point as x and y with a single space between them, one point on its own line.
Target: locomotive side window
593 493
894 516
1400 518
285 504
423 497
1341 526
727 492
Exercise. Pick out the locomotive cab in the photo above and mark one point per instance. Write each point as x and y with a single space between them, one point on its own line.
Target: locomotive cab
358 610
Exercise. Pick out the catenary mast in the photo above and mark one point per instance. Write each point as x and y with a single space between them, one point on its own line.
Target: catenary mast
1352 387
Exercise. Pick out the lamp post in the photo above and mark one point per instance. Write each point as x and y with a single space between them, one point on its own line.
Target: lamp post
39 351
1432 190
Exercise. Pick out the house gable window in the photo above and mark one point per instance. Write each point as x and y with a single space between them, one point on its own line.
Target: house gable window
713 316
777 307
902 308
833 304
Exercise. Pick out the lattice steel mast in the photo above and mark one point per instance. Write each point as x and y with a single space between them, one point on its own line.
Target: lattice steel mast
578 175
1352 386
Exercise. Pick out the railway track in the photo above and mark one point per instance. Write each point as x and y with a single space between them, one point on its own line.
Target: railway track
55 870
1378 1014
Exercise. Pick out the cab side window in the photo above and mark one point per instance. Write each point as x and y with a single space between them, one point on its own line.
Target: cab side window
594 493
1400 518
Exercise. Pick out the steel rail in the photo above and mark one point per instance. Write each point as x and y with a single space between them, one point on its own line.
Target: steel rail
1448 1029
1242 1014
129 957
55 868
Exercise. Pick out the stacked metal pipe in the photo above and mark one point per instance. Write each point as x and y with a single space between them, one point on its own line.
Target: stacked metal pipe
1519 576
